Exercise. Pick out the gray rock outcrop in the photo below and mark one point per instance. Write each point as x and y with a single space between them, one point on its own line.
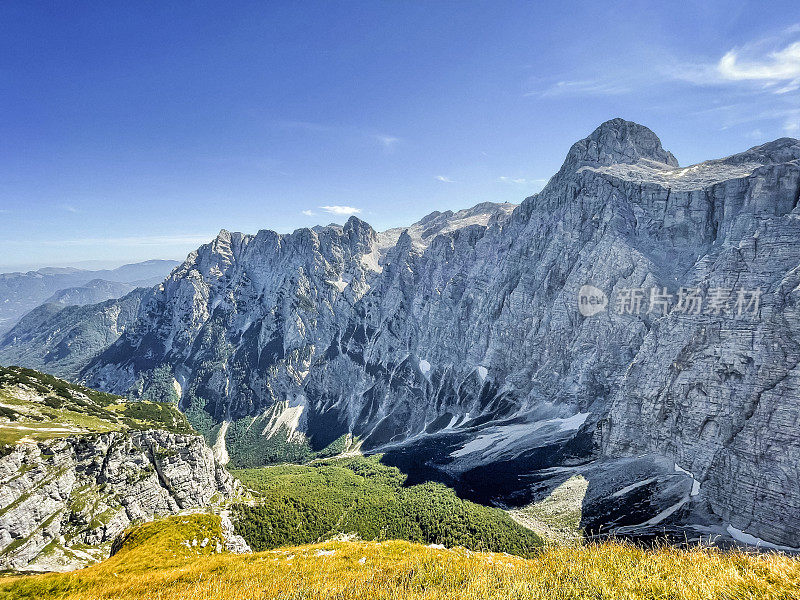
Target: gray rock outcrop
63 502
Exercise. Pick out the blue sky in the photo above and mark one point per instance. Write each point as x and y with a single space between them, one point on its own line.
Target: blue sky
132 130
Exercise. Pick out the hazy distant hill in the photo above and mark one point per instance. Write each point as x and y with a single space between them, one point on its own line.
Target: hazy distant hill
96 290
22 292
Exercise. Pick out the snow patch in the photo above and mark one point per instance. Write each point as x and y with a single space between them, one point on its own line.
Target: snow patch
633 486
665 513
695 483
480 443
505 438
751 540
177 387
570 423
453 421
482 372
340 283
425 367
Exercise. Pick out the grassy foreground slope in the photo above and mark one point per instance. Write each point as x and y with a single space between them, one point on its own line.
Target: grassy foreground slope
156 562
306 504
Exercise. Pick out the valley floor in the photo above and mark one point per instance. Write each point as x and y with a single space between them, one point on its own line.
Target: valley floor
159 562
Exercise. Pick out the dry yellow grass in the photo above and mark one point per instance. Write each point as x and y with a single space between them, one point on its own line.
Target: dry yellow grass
159 568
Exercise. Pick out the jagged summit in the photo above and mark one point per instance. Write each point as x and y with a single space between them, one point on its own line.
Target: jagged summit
356 224
428 227
618 142
782 150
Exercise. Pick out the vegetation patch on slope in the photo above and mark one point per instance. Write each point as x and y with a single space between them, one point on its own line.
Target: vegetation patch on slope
168 539
557 518
248 446
305 504
38 406
153 566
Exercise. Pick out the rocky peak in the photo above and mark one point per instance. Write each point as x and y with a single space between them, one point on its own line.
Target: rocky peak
426 229
618 142
777 151
359 231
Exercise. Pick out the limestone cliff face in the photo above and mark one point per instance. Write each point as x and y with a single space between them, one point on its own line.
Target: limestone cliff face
62 502
721 394
463 354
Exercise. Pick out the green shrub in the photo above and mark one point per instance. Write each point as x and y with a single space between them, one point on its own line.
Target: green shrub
305 504
9 413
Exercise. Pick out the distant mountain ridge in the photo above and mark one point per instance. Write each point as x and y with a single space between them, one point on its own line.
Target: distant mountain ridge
22 292
464 356
426 229
92 292
62 339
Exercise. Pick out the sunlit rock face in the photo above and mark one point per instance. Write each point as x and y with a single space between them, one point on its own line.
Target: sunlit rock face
463 354
64 501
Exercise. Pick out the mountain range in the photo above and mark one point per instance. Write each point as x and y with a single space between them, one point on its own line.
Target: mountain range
635 323
22 292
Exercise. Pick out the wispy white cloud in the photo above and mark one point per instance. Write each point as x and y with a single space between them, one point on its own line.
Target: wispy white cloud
387 141
70 208
757 84
341 210
770 64
792 124
520 180
309 213
582 87
443 179
778 68
781 117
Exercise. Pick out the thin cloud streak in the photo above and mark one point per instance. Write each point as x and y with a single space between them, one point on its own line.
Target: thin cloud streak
520 180
771 64
779 66
585 87
341 210
385 141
